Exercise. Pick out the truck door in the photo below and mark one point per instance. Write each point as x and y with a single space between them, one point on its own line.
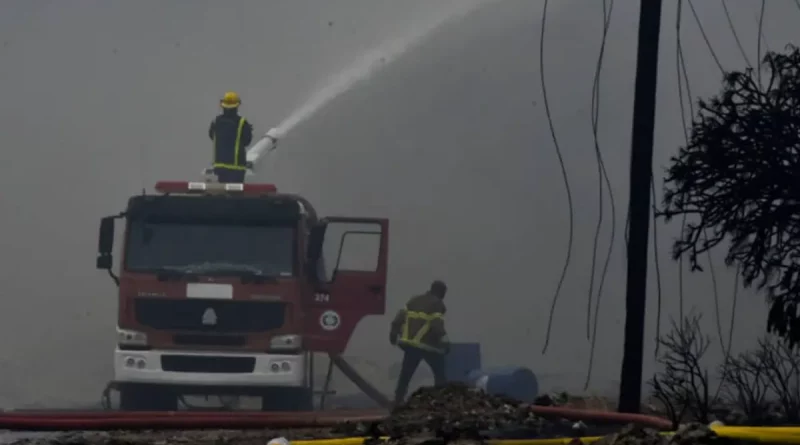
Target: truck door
350 278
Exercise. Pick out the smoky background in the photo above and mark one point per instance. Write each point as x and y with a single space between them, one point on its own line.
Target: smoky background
450 141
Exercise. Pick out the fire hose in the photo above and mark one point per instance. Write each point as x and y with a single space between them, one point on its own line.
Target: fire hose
104 420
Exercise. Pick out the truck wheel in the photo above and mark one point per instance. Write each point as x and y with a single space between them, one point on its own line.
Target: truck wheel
135 397
287 399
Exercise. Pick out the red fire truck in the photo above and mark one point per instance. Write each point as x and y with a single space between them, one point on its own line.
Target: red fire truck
230 289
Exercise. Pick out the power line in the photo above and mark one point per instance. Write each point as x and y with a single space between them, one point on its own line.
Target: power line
683 72
705 37
683 75
760 34
735 34
733 306
657 265
602 174
564 174
715 290
602 177
679 63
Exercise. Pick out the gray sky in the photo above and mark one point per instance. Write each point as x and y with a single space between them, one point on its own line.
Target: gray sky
451 142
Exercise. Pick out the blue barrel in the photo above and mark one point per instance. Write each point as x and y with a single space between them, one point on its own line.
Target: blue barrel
516 382
462 359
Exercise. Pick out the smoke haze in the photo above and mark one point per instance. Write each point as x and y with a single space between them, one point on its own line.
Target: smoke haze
451 142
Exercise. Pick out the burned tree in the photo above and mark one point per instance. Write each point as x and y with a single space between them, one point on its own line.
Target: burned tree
683 385
782 366
746 384
738 181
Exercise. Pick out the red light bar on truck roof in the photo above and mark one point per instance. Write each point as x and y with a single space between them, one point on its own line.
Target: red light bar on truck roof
205 187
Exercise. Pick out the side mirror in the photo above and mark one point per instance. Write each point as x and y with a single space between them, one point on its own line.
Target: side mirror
105 243
104 261
316 239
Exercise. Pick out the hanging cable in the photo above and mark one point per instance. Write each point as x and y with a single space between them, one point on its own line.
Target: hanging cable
705 37
735 34
659 294
760 35
679 63
563 173
603 180
683 73
730 330
602 173
717 317
733 305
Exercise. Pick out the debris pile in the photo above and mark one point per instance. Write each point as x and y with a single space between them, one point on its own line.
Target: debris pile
454 410
690 434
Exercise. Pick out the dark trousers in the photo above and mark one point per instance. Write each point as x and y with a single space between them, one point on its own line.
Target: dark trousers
227 175
411 360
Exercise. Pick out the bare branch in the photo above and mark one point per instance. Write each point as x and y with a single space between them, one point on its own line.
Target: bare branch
683 386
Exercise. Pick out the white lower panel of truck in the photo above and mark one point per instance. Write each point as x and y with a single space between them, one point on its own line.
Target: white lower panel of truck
194 368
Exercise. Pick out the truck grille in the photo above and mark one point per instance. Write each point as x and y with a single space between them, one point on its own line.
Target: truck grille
193 363
208 340
226 316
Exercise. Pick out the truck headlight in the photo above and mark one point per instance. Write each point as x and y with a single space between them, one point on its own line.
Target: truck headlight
289 342
127 337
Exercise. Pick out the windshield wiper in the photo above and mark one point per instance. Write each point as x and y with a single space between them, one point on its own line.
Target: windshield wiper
166 273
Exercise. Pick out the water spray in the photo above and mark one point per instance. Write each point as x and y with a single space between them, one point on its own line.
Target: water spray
363 68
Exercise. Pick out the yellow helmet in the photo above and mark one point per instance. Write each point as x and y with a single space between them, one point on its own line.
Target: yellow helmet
230 100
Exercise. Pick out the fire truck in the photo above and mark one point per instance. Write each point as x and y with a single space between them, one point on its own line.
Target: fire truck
231 289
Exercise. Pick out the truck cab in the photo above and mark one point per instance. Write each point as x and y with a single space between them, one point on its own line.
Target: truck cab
229 289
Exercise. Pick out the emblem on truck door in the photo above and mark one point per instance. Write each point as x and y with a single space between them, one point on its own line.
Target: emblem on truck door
209 317
329 320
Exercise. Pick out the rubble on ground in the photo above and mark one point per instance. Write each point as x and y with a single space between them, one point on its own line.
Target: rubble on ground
458 409
693 434
454 414
437 415
690 434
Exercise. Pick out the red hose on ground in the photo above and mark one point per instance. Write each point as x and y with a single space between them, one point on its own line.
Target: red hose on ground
175 420
319 415
606 417
51 421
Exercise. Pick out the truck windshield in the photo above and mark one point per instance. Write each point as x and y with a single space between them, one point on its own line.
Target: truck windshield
219 249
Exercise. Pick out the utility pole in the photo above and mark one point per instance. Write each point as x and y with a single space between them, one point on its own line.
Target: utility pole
644 111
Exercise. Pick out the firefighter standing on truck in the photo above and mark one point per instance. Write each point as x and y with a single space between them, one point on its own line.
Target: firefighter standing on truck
420 328
230 133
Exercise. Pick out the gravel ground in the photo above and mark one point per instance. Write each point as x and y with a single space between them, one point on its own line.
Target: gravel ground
690 435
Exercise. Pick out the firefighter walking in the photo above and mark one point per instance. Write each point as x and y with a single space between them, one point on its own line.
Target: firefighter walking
231 134
418 329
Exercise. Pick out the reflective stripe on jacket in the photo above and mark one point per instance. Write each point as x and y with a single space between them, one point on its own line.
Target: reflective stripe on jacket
421 324
230 134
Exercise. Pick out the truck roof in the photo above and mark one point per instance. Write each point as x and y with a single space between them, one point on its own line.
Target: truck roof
181 198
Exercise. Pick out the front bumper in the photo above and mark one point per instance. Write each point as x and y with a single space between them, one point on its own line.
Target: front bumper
192 368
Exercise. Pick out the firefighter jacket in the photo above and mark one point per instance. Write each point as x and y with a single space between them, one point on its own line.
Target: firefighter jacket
231 134
421 324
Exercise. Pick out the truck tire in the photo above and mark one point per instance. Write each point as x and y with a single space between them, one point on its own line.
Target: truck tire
137 397
287 399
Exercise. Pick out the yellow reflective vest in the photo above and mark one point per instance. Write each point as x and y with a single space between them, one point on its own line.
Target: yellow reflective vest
421 324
